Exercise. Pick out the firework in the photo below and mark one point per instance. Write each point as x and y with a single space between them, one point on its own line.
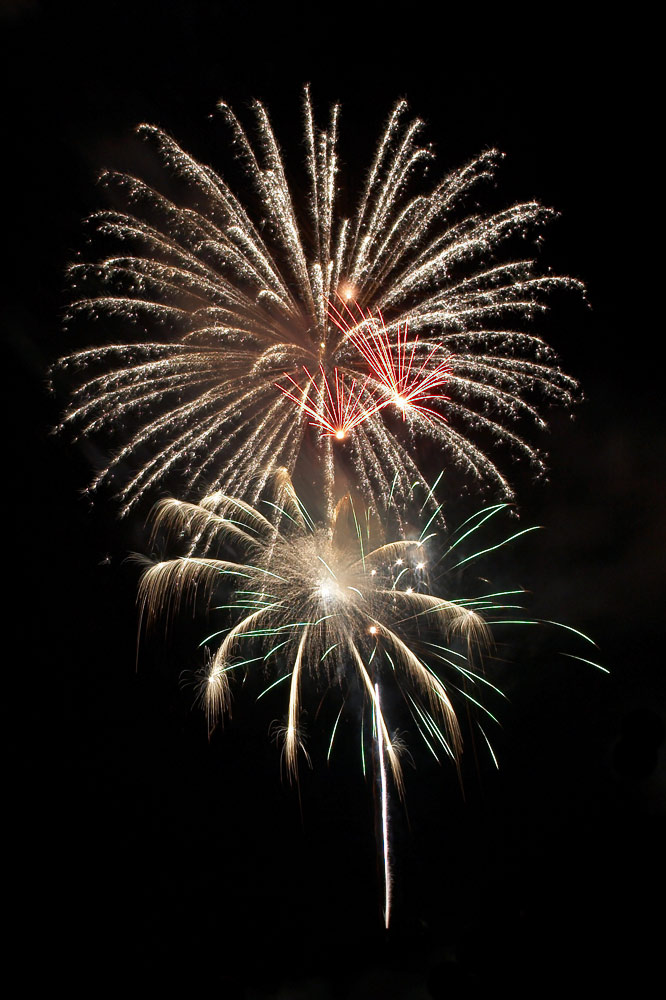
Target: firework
408 382
333 605
244 369
341 608
228 300
339 605
335 409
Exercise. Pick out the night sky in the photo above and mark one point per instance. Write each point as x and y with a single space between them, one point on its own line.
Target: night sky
147 855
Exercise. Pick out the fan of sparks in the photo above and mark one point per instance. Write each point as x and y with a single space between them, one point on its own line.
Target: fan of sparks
335 605
259 318
340 604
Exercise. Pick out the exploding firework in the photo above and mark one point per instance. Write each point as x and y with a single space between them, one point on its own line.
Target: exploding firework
337 608
271 333
337 604
229 299
334 605
407 381
335 409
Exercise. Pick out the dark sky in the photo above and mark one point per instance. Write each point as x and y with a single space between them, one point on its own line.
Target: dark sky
157 857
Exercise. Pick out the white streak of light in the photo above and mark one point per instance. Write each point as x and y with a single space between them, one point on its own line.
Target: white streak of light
385 837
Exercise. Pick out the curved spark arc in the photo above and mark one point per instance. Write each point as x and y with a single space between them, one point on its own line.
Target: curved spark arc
234 301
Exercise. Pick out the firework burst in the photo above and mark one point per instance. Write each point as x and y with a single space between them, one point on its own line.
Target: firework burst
339 608
337 603
333 604
228 300
409 382
335 409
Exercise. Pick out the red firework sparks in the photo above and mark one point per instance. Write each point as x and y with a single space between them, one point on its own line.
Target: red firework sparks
409 380
336 409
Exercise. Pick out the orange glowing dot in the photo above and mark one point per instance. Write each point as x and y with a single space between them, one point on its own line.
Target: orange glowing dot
373 630
339 435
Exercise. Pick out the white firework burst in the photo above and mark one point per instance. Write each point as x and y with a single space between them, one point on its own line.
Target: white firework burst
231 302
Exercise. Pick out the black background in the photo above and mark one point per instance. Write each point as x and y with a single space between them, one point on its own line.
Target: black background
148 855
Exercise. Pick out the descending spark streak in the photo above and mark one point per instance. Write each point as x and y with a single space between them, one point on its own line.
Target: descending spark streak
385 830
339 410
291 740
227 302
408 380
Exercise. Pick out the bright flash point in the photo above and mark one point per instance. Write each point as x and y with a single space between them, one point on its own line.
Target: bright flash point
400 402
398 562
420 565
373 572
409 590
329 590
373 630
339 435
